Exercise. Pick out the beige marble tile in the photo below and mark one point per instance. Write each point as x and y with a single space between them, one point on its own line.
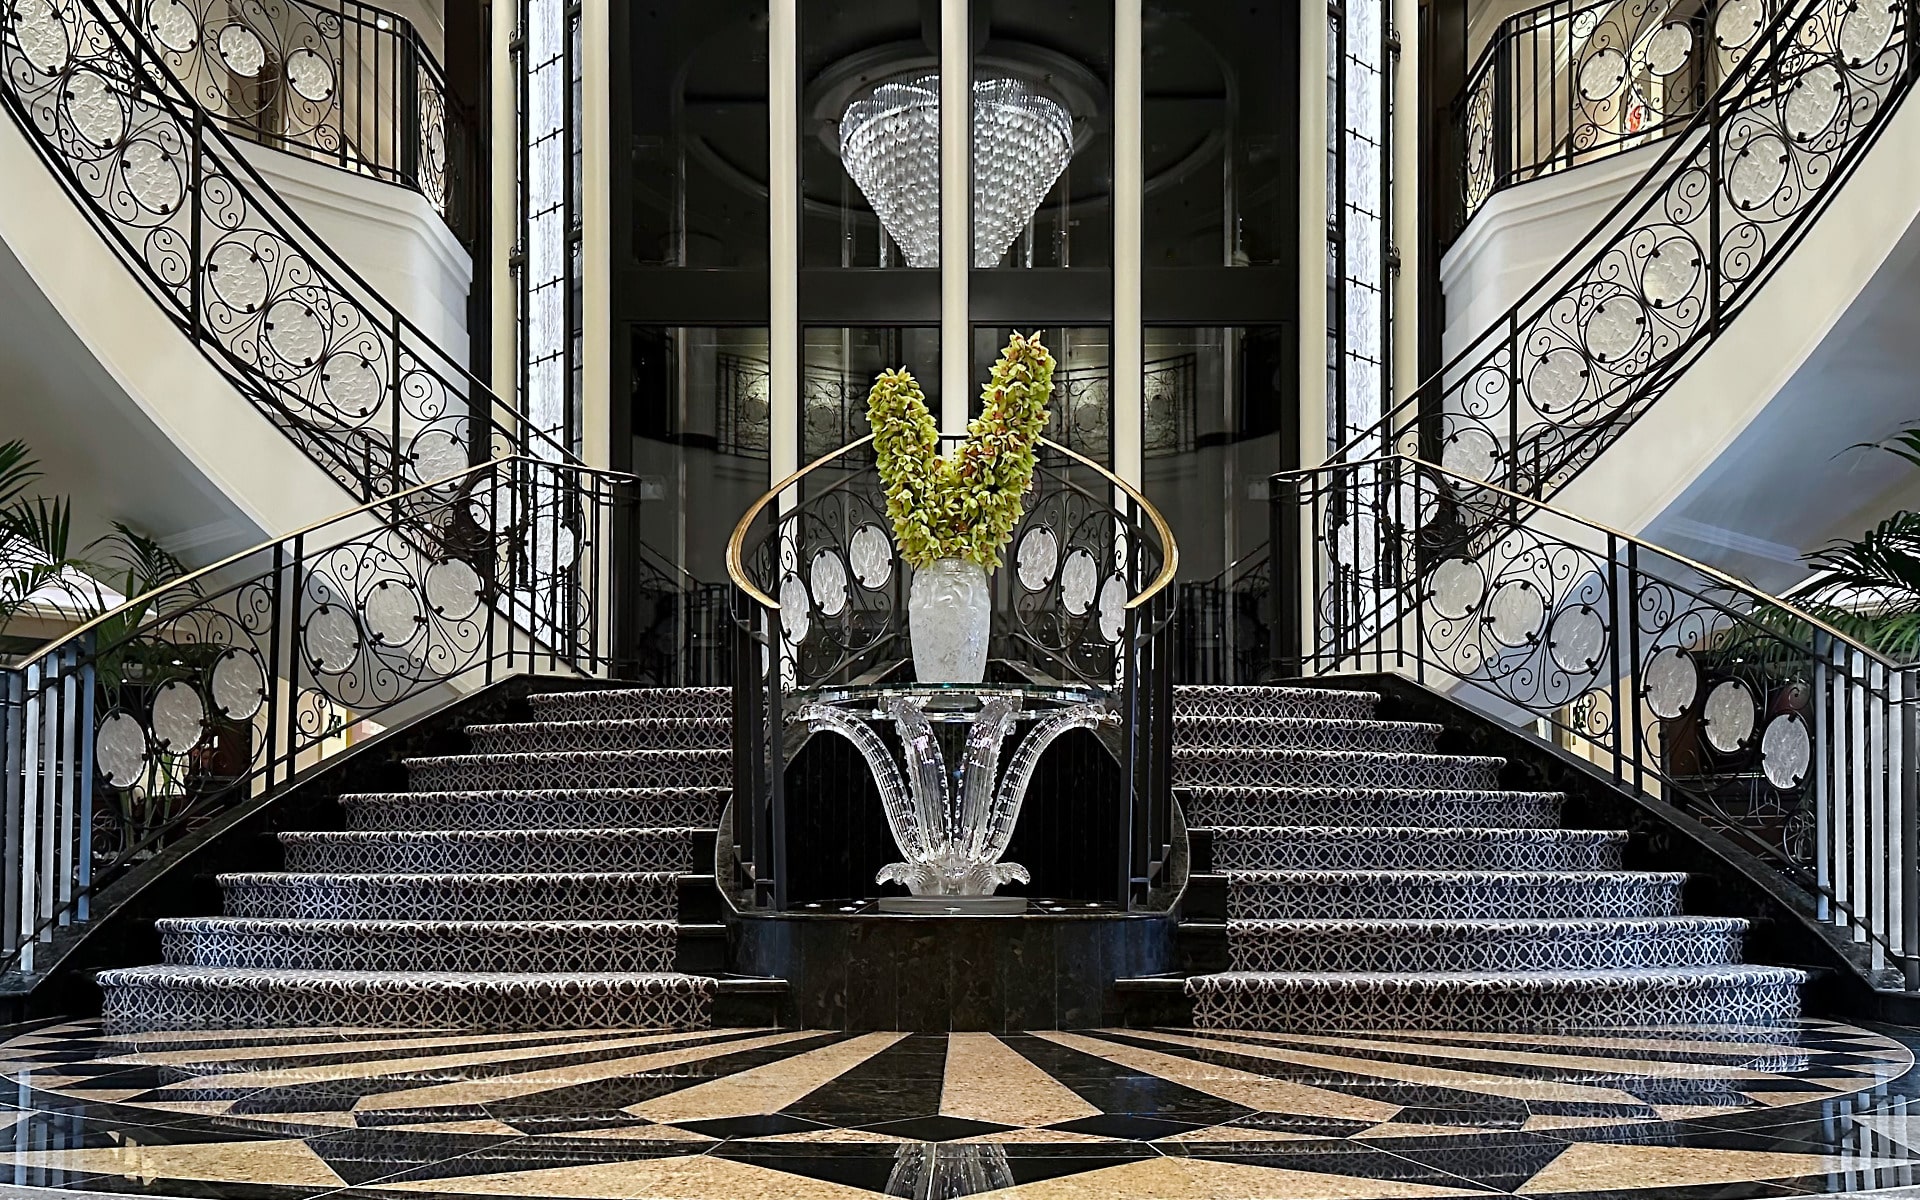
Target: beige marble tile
1022 1137
415 1044
988 1080
768 1088
695 1177
375 1067
1203 1179
1392 1130
1652 1067
1664 1043
1693 1112
1236 1133
637 1133
1239 1087
1561 1122
506 1087
1782 1099
856 1136
1486 1083
288 1162
478 1125
199 1108
1601 1166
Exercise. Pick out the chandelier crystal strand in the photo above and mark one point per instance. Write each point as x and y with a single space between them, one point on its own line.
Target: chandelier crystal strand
890 145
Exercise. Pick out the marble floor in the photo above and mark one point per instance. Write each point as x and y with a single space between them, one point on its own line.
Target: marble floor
760 1114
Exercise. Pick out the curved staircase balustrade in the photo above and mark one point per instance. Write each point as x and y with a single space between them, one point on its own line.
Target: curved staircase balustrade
1682 682
1549 386
338 82
1087 595
148 722
1565 83
358 387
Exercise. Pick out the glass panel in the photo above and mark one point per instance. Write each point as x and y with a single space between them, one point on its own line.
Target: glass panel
700 449
1219 101
864 67
1082 404
699 83
1043 133
838 367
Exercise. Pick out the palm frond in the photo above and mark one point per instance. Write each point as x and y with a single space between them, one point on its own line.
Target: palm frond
17 470
1883 563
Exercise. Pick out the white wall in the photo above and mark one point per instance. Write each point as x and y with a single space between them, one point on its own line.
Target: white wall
388 233
124 411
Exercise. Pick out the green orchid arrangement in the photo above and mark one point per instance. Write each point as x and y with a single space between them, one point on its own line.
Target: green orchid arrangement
964 504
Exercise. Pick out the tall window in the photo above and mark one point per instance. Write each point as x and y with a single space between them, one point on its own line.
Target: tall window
1359 320
549 251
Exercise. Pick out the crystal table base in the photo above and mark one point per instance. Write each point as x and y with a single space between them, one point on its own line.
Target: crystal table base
951 844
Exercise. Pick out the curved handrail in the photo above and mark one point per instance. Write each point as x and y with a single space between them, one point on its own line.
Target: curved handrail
295 327
1687 684
736 565
1542 353
274 650
1712 574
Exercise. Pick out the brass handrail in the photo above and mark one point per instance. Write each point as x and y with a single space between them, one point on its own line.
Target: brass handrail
737 571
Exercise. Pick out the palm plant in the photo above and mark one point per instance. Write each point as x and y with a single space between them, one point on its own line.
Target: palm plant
1869 586
34 536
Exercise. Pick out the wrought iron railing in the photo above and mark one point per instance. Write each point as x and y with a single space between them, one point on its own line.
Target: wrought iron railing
367 395
1682 682
220 687
1567 83
1086 597
1226 623
336 81
1548 386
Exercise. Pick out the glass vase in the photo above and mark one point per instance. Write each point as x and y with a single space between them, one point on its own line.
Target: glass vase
949 612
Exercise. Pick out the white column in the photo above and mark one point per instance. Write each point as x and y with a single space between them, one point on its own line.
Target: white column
504 202
956 214
1129 185
596 233
783 237
1313 235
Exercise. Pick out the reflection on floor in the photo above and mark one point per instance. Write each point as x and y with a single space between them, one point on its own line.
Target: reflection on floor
744 1114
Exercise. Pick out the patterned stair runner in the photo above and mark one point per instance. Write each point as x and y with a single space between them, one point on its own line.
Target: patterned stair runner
1373 881
531 884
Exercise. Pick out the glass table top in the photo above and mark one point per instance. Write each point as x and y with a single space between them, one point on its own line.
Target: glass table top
955 702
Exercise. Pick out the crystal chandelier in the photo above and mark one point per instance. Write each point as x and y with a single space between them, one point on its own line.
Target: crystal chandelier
890 145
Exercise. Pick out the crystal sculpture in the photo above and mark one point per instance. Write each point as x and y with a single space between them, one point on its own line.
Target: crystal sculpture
951 839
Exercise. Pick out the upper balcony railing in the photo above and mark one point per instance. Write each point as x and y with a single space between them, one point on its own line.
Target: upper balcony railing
371 398
336 81
1570 82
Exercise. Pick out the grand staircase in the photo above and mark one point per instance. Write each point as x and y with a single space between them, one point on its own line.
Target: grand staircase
557 877
1366 879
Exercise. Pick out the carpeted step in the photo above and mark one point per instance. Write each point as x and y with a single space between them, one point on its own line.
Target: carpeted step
1240 700
187 997
1305 733
1452 894
619 704
456 946
1195 766
572 769
638 733
1428 807
538 808
580 896
1359 848
1424 944
1512 1001
481 851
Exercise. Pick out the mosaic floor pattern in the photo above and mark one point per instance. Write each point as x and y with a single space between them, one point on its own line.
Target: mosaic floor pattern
759 1114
